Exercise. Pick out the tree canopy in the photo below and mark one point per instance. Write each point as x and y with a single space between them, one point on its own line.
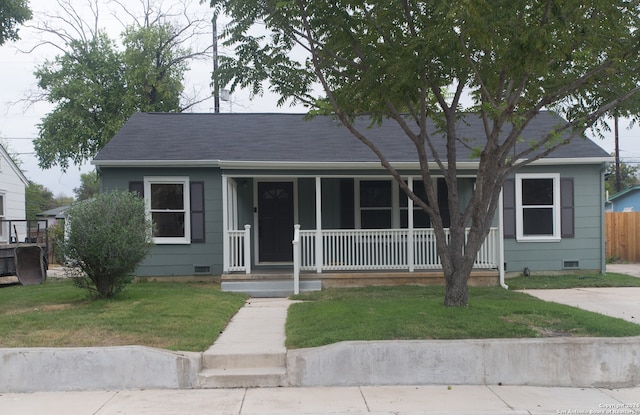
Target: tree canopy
89 186
86 86
12 13
628 177
390 59
96 83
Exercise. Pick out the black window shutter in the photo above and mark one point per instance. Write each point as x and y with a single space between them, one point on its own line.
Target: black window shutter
509 208
196 193
566 207
137 187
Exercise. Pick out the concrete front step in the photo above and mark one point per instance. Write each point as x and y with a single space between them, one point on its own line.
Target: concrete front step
243 361
265 377
269 288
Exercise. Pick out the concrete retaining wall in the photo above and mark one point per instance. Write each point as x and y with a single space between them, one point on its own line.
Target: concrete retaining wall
571 362
575 362
92 368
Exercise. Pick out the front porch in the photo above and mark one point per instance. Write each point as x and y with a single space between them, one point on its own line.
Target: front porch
351 258
286 257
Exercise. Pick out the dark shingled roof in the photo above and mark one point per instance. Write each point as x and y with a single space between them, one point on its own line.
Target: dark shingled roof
292 138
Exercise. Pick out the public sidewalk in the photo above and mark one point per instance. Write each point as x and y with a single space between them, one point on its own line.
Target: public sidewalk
493 399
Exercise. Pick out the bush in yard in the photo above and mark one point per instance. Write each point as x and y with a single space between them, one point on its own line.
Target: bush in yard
106 238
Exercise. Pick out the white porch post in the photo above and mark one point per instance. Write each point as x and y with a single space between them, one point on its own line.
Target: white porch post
247 248
225 224
410 248
319 253
296 259
501 242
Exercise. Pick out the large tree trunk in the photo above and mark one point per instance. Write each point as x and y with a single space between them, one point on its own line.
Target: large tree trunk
457 263
456 290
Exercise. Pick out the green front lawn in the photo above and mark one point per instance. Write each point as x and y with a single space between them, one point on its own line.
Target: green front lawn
572 281
410 312
190 316
174 316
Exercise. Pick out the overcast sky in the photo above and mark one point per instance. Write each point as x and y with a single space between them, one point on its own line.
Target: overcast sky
18 121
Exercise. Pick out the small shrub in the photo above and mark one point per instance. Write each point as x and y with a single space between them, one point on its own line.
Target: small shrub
106 238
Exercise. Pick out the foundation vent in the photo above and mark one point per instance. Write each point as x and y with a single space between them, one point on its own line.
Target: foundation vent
571 264
202 269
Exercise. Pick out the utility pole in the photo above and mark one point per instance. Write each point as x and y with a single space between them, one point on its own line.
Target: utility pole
616 136
216 92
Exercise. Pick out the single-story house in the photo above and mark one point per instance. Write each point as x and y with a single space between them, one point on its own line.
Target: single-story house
627 200
227 191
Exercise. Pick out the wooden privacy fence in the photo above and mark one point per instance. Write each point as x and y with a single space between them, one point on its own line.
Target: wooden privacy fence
622 230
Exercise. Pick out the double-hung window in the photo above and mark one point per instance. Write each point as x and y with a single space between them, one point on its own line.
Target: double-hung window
375 203
420 217
167 200
538 207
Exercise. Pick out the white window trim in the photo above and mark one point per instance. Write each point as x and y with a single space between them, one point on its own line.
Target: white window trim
556 237
183 180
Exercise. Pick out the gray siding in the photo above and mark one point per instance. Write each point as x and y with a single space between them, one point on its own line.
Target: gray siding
587 245
168 260
179 260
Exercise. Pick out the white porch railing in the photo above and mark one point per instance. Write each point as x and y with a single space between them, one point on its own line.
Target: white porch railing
383 249
360 249
239 249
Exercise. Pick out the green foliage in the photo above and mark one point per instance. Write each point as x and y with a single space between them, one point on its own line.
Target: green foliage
107 237
628 177
12 13
153 73
37 199
56 238
86 86
89 186
96 87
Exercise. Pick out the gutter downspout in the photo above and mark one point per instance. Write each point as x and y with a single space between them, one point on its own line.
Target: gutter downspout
603 238
501 243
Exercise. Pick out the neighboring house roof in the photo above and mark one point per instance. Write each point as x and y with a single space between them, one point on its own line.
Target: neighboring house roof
627 191
13 166
57 212
214 139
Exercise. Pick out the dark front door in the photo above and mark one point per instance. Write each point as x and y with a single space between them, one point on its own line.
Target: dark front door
275 219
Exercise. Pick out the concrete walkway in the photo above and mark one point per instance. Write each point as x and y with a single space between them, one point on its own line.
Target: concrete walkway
621 303
256 327
250 352
628 269
352 400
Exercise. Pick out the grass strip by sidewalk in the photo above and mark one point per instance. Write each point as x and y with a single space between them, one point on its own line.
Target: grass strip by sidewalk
417 313
572 281
174 316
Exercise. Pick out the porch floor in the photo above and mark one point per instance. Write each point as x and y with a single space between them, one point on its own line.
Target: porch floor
480 278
